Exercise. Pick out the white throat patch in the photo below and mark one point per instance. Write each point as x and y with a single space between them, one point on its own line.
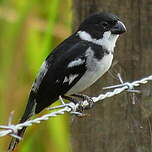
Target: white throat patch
108 40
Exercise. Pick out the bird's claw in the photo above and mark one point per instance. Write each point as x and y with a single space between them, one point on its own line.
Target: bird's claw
90 102
87 98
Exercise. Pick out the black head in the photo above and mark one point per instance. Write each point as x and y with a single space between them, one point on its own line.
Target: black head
99 23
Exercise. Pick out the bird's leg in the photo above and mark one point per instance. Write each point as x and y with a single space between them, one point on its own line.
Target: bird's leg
80 108
85 97
70 99
63 103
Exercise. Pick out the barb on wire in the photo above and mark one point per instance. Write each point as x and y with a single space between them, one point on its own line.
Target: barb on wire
129 85
71 107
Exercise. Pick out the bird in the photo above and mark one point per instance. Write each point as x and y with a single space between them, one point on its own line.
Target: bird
74 65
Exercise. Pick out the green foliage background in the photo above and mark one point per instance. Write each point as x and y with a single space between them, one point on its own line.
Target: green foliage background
29 30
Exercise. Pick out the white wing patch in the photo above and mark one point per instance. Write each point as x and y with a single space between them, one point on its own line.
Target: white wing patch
57 81
70 79
76 62
43 70
66 79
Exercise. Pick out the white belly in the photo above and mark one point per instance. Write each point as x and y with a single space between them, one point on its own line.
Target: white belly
95 70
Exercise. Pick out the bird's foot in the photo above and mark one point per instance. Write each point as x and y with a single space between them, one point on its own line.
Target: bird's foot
81 106
85 97
75 101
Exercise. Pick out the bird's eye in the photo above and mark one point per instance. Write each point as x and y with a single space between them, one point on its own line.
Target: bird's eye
105 25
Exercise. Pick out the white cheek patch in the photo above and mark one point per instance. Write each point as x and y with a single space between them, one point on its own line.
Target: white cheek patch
107 41
42 72
70 79
76 63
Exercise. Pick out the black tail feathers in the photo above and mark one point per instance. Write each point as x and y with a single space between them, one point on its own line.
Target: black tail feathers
29 111
15 141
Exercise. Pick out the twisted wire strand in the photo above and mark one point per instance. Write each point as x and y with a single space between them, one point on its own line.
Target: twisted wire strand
72 108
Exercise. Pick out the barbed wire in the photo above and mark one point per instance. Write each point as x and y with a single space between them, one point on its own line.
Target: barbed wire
71 107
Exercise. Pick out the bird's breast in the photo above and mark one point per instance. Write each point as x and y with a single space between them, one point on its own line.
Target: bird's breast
95 69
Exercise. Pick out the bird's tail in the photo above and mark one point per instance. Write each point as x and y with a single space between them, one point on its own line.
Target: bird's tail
29 111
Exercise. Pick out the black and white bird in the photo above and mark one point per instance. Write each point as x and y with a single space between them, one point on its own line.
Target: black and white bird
75 64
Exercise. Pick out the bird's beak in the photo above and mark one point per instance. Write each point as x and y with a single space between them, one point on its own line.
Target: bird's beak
119 28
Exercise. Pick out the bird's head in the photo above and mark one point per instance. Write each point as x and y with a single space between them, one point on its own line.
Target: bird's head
101 26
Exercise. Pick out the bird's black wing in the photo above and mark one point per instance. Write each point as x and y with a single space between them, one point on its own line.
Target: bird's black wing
56 78
51 80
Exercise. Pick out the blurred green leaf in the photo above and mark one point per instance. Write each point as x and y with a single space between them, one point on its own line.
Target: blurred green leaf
27 37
